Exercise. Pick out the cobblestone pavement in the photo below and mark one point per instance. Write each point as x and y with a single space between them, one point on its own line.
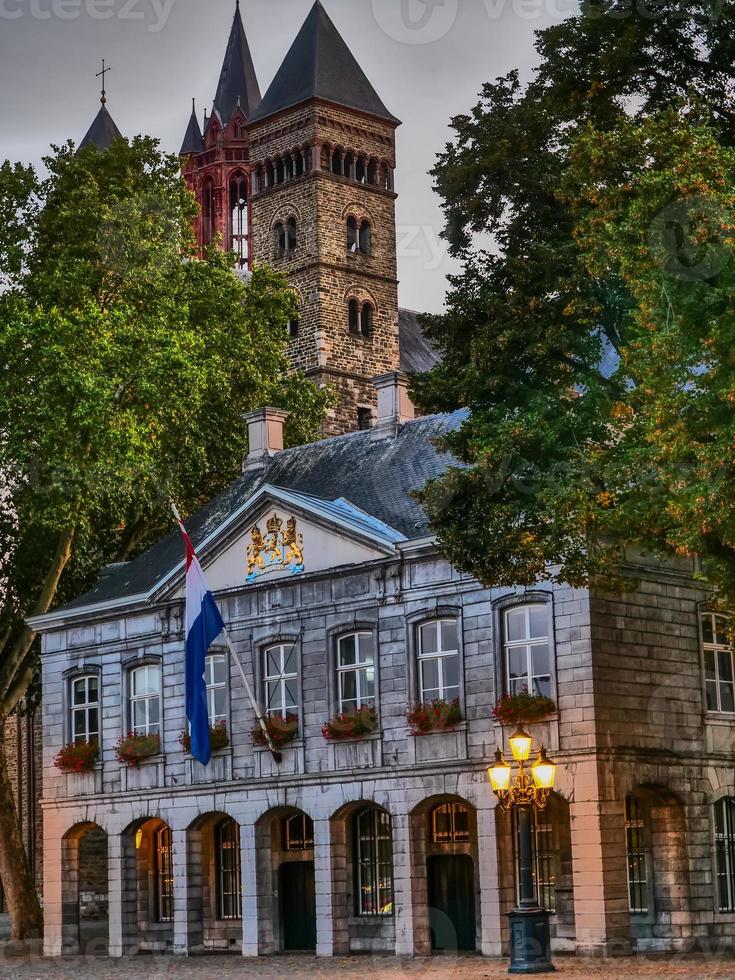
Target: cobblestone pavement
215 967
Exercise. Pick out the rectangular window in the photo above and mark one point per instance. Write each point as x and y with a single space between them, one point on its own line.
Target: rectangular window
215 674
85 709
229 876
725 853
545 858
439 661
163 843
374 862
635 846
145 700
718 664
528 650
356 671
281 680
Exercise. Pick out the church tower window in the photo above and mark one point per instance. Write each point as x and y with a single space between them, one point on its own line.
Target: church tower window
208 210
366 320
337 163
354 316
366 238
372 172
291 236
239 216
279 235
352 234
361 170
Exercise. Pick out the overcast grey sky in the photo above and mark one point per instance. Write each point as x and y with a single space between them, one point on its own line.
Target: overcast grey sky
426 58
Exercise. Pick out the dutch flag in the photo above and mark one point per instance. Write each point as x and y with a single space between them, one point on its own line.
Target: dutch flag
203 625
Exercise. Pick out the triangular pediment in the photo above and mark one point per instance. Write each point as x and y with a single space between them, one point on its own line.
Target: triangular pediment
282 534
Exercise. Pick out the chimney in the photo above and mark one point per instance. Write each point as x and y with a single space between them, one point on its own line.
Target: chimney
265 437
395 408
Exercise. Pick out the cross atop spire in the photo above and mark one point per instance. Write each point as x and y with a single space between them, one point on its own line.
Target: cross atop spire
101 74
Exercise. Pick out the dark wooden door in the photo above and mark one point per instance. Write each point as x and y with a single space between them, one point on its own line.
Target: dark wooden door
452 902
298 905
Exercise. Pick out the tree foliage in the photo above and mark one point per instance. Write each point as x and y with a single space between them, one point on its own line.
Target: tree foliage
591 343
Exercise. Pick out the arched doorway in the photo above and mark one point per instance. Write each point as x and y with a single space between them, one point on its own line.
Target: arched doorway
85 896
286 881
215 883
148 886
444 874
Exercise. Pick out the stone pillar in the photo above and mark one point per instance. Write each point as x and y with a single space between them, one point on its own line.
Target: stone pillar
602 920
490 908
52 897
323 885
402 885
121 895
248 861
70 894
181 893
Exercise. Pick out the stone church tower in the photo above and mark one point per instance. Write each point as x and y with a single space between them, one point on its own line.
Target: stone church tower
303 180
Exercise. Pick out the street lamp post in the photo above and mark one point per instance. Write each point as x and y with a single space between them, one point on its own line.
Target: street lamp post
530 940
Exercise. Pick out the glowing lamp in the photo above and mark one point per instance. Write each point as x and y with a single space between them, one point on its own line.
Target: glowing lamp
544 771
499 774
520 745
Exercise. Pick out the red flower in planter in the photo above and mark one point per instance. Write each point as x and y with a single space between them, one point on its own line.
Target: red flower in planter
351 724
434 716
78 757
281 730
133 749
218 738
522 708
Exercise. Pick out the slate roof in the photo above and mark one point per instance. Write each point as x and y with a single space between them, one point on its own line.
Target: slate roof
102 133
351 471
237 81
320 65
417 354
193 141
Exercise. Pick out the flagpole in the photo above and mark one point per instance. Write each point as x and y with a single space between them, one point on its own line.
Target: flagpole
278 756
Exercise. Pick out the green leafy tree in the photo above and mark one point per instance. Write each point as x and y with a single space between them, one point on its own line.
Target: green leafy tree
582 436
126 364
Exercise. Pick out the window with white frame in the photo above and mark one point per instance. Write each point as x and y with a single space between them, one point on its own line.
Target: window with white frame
527 650
356 671
85 709
215 675
719 677
438 656
145 700
725 853
280 680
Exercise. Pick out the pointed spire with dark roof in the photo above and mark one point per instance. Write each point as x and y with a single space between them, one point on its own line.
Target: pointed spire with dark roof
321 66
102 133
193 141
238 79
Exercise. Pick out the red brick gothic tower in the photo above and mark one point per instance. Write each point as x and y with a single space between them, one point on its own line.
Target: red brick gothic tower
216 164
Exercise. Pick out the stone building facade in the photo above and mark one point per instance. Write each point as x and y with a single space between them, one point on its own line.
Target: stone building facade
390 841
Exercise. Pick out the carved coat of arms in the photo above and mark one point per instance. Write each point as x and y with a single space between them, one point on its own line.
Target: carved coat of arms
278 549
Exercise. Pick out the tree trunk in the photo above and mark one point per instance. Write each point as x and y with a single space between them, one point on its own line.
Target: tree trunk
26 919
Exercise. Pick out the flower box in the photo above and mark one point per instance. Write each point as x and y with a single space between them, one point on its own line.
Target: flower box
218 738
351 725
78 757
133 749
281 730
434 716
522 709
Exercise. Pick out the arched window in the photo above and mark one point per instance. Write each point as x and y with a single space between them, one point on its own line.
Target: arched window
527 650
386 178
280 680
356 671
239 217
438 661
326 158
280 171
354 316
293 328
207 211
372 172
85 709
279 236
366 238
352 235
299 164
270 177
725 853
337 163
145 700
366 320
229 876
349 166
361 170
450 824
289 167
164 872
298 833
636 848
373 861
291 236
